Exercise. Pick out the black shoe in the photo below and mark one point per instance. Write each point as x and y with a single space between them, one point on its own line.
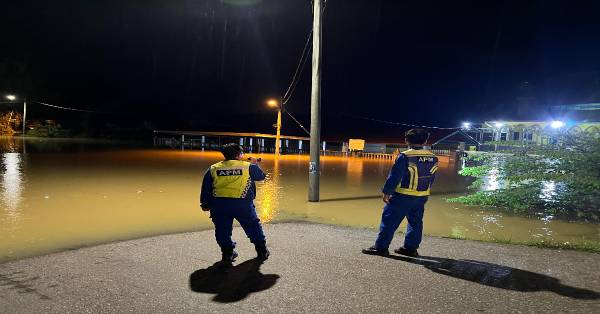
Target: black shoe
374 251
263 254
229 256
261 251
403 251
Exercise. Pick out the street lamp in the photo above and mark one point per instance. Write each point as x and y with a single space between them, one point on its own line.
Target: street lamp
466 125
279 105
557 124
11 97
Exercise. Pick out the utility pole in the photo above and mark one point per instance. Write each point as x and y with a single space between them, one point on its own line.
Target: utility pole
24 113
279 106
314 169
278 136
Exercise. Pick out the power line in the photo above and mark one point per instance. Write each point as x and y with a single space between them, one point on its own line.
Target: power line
297 73
300 67
397 123
295 120
70 109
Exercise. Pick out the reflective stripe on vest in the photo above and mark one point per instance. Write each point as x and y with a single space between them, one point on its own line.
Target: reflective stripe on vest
422 164
231 178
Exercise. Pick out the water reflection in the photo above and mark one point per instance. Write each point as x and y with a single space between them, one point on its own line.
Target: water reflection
548 192
488 225
10 144
354 169
12 185
269 194
492 181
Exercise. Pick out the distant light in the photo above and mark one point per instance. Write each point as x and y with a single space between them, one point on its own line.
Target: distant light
466 125
11 97
273 103
557 124
498 124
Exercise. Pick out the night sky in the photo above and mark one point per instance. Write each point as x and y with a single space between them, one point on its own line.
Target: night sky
210 65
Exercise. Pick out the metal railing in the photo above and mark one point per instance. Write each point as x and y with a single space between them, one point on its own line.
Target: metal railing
442 151
174 142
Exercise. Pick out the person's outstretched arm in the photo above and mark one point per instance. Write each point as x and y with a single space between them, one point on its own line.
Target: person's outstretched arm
256 174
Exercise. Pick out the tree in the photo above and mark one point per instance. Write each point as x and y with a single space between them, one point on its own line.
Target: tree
10 122
561 180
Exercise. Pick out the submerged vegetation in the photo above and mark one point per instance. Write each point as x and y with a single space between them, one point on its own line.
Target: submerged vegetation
560 180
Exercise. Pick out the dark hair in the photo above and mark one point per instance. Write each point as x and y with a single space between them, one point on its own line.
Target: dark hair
231 151
417 136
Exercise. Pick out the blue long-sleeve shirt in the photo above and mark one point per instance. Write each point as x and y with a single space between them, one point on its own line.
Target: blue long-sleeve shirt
396 173
206 193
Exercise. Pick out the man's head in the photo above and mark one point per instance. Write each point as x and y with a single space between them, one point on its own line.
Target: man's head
232 151
416 136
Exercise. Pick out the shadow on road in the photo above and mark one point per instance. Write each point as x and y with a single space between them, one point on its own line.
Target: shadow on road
498 276
232 283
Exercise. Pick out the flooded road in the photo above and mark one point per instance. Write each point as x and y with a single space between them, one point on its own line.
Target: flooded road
54 200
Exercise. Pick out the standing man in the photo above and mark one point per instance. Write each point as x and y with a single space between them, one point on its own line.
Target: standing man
228 192
405 193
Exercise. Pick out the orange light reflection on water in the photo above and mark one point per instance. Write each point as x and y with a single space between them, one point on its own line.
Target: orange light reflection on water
269 194
354 169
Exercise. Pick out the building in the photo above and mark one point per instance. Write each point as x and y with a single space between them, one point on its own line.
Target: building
540 132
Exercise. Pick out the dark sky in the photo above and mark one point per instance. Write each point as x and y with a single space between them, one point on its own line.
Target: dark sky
206 64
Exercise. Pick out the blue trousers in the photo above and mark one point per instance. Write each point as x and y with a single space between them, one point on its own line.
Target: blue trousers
224 212
400 206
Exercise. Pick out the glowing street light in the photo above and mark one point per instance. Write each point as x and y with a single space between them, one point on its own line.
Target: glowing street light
11 97
466 125
498 124
273 103
557 124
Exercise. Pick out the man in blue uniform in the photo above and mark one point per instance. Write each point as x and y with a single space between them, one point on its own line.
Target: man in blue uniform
228 192
405 193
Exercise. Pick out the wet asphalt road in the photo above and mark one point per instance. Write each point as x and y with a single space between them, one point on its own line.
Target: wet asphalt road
313 269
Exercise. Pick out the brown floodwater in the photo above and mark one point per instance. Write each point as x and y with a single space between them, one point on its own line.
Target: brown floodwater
56 199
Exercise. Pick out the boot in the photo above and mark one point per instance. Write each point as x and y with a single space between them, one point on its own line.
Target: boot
228 254
261 250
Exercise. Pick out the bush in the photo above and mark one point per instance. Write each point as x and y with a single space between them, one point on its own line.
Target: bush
561 180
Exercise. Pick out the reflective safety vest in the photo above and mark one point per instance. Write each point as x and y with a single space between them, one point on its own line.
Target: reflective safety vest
231 178
422 165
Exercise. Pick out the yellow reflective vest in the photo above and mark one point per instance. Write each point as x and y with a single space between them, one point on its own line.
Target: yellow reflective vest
422 165
231 178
